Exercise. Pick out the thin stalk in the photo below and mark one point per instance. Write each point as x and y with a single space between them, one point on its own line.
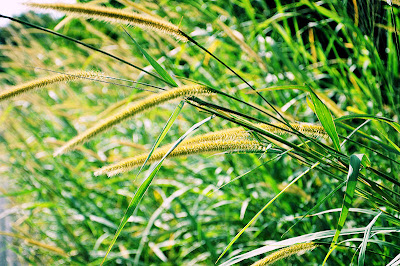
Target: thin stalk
83 44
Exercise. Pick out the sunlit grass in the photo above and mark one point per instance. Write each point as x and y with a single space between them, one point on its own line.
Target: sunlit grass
311 62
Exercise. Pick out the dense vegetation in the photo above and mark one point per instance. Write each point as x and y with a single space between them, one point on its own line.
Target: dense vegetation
323 114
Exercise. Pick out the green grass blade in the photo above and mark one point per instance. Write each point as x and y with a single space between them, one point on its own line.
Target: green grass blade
325 117
317 205
164 132
311 237
392 123
263 209
354 168
79 42
367 234
146 184
157 67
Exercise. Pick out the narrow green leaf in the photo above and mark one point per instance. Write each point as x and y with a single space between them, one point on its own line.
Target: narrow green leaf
146 184
157 67
317 205
395 261
325 117
282 87
263 209
354 168
312 237
164 132
392 123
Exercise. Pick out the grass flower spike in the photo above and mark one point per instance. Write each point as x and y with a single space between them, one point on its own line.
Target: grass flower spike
285 252
182 150
45 81
115 15
138 107
222 140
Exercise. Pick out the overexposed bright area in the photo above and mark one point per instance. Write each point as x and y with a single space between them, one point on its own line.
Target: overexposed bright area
16 7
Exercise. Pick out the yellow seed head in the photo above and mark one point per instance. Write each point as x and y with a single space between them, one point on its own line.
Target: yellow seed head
42 82
115 15
138 107
182 150
285 252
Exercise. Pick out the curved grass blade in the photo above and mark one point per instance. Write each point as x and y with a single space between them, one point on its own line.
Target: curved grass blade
317 205
263 209
367 234
392 123
146 184
354 168
81 43
325 117
157 67
395 261
312 237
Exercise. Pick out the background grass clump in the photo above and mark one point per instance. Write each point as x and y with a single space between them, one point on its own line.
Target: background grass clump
308 60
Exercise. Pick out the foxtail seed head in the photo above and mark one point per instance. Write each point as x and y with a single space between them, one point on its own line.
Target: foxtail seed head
182 150
211 142
138 107
42 82
285 252
308 129
115 15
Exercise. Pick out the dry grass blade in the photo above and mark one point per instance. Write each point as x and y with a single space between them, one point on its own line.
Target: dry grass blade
285 252
136 108
42 82
115 15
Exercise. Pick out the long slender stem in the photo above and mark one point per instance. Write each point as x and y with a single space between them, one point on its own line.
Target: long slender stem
83 44
283 120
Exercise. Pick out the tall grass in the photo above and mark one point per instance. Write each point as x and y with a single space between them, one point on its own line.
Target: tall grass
313 86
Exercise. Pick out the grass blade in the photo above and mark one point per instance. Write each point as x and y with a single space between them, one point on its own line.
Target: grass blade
157 67
354 168
263 209
317 205
392 123
367 234
395 261
164 132
325 117
146 184
312 237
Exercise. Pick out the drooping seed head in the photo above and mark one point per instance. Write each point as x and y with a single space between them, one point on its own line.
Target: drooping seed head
115 15
182 150
130 111
45 81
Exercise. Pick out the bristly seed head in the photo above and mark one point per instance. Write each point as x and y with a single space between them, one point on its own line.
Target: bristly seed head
115 15
42 82
182 150
285 252
136 108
